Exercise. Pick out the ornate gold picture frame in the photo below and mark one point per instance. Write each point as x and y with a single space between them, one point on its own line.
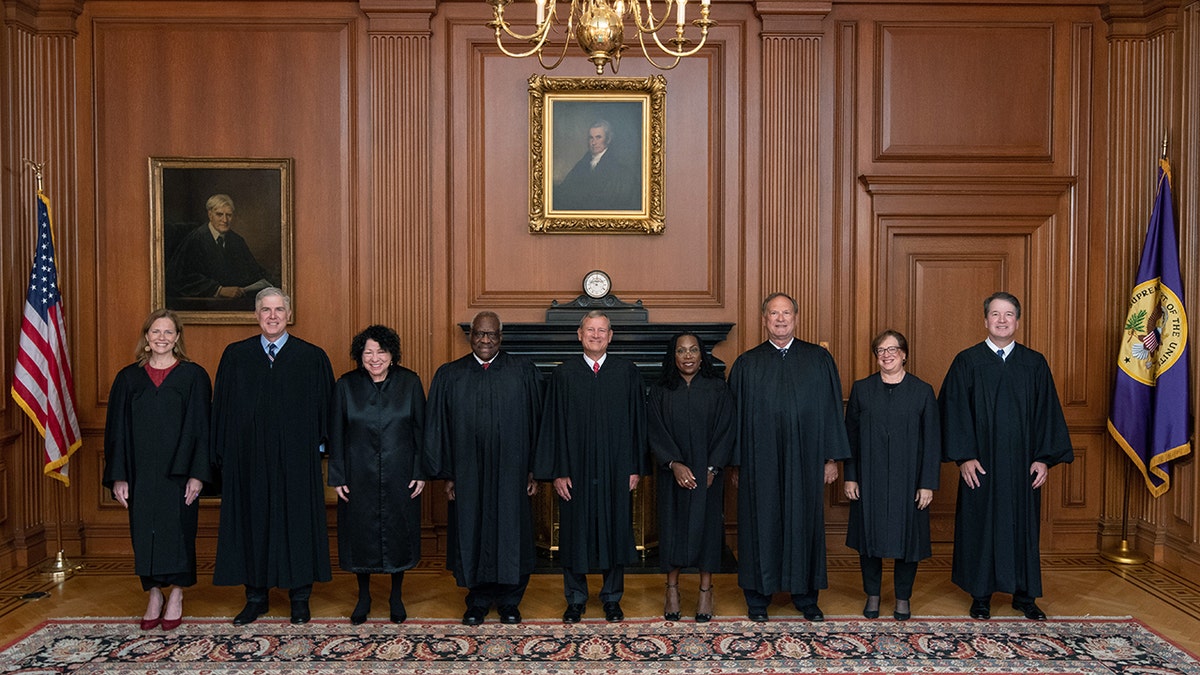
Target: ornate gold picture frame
220 230
596 154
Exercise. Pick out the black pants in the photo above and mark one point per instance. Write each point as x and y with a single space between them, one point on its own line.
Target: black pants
576 589
499 595
903 576
259 594
756 601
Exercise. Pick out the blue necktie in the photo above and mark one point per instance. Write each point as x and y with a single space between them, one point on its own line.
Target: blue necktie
783 353
271 353
1000 353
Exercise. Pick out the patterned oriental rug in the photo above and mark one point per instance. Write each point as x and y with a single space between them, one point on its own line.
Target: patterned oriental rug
637 647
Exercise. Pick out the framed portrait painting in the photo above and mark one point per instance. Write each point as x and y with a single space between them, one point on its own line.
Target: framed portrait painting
221 230
596 154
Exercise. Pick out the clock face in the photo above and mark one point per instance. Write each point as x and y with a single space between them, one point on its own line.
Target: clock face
597 284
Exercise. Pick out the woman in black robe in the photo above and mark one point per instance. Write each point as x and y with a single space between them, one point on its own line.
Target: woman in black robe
895 455
377 466
156 460
690 417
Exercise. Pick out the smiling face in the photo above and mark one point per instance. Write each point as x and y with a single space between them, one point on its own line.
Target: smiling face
1001 322
780 320
687 357
889 356
594 335
485 337
375 360
273 316
162 336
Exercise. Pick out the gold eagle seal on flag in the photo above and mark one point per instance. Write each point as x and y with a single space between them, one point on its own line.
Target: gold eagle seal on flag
1155 332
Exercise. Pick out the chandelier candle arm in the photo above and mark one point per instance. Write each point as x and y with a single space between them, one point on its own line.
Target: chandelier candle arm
598 27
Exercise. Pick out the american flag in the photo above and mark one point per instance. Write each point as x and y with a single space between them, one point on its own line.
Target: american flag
42 383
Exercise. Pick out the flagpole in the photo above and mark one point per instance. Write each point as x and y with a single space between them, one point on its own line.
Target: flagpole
61 566
1124 554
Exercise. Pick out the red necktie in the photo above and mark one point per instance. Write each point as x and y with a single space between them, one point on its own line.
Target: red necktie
485 365
596 367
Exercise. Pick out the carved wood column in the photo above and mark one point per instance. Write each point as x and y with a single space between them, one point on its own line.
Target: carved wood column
1146 95
38 116
400 286
1187 201
794 254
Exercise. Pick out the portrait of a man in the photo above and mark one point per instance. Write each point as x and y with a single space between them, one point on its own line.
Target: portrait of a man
214 262
598 157
222 229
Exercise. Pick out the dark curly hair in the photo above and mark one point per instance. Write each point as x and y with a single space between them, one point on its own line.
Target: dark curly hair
670 377
386 337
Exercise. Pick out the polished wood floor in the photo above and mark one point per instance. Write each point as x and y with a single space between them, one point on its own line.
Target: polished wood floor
1076 586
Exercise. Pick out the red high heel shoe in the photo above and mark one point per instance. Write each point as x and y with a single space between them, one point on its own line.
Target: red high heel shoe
150 624
172 624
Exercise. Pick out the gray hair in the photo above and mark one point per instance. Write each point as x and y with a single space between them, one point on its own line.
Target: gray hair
218 200
268 292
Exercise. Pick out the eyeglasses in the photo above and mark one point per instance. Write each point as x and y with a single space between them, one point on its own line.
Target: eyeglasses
486 334
890 351
687 350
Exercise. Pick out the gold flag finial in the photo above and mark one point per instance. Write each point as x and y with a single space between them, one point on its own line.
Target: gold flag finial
37 171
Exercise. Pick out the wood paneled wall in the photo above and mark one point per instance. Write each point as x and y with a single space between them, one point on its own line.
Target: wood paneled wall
888 164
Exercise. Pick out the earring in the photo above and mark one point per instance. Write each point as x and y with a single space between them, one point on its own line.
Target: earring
146 348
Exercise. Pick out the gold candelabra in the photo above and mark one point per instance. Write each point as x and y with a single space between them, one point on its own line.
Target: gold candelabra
598 27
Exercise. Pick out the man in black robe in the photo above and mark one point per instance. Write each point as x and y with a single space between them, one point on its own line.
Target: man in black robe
481 427
1003 425
789 434
270 417
592 444
214 261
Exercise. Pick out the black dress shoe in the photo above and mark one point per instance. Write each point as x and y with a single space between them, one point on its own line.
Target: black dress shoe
249 613
361 610
906 614
1031 610
509 614
300 612
612 612
758 615
981 608
573 613
870 612
398 614
813 613
474 616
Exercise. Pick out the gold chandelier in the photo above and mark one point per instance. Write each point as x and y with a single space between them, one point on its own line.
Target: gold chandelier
598 26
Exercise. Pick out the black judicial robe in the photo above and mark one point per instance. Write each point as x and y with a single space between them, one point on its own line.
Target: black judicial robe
789 422
895 450
155 439
199 265
1006 414
693 425
376 447
481 431
267 427
594 432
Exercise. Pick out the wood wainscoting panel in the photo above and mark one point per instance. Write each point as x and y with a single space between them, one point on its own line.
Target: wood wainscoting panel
963 92
690 272
280 84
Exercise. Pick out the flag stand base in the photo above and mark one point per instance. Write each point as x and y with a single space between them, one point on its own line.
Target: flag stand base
1124 555
61 566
